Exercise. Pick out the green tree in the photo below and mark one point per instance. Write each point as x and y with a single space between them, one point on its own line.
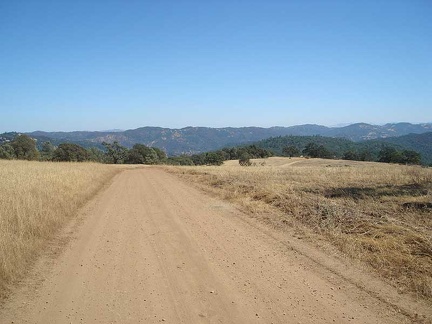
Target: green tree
311 149
231 153
25 148
96 155
324 153
389 155
350 155
151 157
142 154
47 151
366 155
134 156
291 151
7 152
69 152
214 158
317 151
115 152
410 157
199 159
180 160
161 154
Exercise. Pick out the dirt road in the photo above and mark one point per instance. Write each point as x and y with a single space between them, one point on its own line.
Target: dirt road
152 249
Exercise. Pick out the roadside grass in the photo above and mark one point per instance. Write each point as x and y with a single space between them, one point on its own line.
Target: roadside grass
377 213
36 199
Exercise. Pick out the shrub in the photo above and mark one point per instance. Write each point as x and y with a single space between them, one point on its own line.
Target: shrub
245 160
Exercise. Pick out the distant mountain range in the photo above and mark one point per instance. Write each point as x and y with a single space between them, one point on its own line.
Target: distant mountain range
191 140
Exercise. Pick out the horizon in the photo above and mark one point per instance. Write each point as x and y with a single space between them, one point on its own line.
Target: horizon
114 130
76 66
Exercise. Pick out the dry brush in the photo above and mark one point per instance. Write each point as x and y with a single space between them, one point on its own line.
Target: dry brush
379 214
37 198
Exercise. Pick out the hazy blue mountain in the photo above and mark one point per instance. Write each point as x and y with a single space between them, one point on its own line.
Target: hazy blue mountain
200 139
362 131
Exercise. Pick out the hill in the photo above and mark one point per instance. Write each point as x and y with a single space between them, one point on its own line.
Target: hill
191 140
421 143
362 131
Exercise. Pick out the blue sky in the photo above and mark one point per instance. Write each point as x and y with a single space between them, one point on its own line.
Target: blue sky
95 65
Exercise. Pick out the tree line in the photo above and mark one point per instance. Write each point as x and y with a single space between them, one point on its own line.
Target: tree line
23 147
219 156
387 154
339 148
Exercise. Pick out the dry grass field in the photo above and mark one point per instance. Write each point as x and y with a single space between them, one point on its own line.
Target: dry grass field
37 198
379 214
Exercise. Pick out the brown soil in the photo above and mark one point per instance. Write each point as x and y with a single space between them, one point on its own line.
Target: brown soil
151 248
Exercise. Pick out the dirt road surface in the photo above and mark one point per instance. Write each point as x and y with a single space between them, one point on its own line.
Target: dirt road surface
151 249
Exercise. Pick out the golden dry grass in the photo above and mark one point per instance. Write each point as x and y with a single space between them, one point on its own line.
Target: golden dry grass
357 206
37 198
